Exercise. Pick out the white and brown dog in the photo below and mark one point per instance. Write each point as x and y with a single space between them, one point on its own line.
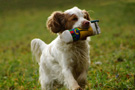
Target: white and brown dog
61 63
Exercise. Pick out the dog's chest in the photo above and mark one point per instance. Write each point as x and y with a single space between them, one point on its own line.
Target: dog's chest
78 54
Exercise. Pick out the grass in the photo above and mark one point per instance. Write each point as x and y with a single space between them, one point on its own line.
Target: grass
21 21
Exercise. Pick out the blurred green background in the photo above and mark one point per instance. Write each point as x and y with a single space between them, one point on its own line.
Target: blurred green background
114 48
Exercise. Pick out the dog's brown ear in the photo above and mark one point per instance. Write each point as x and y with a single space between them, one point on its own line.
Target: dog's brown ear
55 22
86 15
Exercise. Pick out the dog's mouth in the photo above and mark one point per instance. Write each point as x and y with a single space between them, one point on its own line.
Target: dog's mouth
83 28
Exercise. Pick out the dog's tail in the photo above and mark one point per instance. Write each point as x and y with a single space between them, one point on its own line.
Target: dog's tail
37 47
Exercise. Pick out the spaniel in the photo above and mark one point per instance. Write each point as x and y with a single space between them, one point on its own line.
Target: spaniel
63 63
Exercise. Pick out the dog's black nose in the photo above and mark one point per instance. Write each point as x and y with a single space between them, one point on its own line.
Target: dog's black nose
85 24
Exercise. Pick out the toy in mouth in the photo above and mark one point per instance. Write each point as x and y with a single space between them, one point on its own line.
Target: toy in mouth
76 34
93 21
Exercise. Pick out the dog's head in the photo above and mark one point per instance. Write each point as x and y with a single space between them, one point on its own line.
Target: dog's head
72 18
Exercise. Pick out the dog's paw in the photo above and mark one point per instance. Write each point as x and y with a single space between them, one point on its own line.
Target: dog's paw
79 88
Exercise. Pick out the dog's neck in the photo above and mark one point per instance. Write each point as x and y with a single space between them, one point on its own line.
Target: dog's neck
82 44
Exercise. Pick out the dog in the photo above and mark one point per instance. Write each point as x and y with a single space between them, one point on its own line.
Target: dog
61 63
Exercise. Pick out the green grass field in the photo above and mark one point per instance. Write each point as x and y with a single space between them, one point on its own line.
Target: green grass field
21 21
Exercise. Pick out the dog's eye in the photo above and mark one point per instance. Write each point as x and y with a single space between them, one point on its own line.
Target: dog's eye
85 17
75 19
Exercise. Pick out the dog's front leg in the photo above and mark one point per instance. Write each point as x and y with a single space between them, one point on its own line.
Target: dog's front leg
69 80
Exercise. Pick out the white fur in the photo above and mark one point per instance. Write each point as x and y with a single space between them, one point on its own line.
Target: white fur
79 14
56 59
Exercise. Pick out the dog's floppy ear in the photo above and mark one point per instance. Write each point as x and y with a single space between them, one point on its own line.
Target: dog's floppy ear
55 22
86 14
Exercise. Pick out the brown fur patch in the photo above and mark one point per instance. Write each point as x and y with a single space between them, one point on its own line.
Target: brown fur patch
59 21
86 15
70 21
55 22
